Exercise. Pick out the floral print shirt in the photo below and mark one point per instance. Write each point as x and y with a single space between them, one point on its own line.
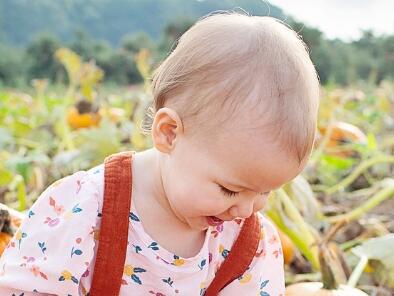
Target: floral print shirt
53 252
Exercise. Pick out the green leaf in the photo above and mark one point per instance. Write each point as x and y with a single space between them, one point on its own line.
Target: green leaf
380 251
5 177
20 165
371 144
337 162
379 248
302 195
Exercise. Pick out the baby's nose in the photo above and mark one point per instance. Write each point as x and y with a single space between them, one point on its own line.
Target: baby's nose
242 210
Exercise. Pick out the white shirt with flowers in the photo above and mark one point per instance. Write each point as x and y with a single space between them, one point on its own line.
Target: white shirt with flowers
54 251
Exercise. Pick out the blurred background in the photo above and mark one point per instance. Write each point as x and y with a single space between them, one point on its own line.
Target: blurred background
75 85
349 41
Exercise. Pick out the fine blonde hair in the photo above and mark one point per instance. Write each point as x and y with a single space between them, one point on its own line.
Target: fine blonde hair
229 62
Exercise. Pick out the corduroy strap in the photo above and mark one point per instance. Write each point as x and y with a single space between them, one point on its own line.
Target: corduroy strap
239 258
111 252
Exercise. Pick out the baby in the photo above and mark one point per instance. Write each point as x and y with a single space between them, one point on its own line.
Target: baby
234 118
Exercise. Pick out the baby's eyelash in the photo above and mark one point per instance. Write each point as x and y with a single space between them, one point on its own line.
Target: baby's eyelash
227 191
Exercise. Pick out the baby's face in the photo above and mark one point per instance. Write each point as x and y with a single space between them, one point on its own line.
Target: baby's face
228 177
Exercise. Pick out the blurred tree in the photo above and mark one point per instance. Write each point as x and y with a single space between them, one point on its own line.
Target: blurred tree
11 66
110 20
367 55
369 58
119 67
322 60
365 64
386 63
311 36
118 64
171 33
82 44
133 42
40 58
342 64
367 42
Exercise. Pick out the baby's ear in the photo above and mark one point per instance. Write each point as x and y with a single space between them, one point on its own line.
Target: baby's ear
166 127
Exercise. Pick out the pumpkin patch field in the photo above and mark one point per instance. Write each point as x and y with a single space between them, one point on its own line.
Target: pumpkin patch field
335 220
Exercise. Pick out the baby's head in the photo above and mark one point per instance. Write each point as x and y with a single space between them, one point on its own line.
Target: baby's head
243 91
233 71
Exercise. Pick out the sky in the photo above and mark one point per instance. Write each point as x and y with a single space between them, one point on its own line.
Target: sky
342 19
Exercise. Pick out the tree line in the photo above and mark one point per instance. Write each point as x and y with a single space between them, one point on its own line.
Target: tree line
370 58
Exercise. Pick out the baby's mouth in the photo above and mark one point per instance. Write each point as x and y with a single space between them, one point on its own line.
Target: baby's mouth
214 221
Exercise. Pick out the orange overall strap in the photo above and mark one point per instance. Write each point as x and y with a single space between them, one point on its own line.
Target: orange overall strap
239 258
111 252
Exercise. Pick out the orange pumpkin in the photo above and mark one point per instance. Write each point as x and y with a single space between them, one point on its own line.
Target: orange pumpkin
77 120
83 115
288 247
10 221
343 133
4 240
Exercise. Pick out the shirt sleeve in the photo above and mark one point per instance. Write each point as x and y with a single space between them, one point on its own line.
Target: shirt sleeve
54 245
265 275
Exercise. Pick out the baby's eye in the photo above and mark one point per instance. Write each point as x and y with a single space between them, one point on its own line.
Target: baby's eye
227 191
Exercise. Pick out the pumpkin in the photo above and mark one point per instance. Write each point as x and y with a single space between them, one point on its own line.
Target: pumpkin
15 216
4 240
9 221
316 289
83 115
288 247
343 133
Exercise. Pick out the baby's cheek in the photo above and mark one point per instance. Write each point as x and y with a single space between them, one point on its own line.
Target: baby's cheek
206 203
190 200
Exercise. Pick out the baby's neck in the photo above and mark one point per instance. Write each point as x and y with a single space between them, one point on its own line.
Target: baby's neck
155 213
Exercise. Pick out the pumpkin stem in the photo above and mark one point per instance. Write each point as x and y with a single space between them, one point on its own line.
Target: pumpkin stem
84 106
328 278
333 269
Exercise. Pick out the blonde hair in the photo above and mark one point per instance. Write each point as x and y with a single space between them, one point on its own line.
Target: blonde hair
228 62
